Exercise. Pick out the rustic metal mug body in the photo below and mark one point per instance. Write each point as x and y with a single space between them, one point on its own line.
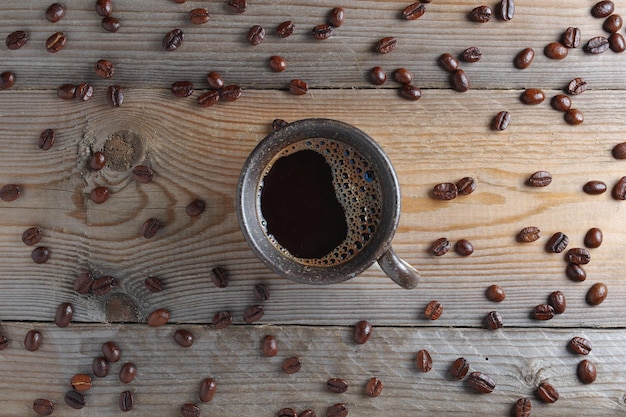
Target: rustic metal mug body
378 249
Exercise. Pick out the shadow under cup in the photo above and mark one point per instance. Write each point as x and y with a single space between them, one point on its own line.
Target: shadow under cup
364 183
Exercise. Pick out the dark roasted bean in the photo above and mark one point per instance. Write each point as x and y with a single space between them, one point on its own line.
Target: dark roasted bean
410 92
580 345
575 272
586 371
596 294
215 80
555 50
403 76
557 242
459 80
103 285
33 340
414 11
617 43
502 120
480 14
195 208
55 12
561 102
464 247
440 246
613 23
7 79
386 45
183 338
253 313
126 401
547 393
43 407
128 372
292 365
150 227
46 139
298 87
231 92
571 37
336 17
55 42
199 16
337 410
481 382
373 388
255 35
269 346
40 254
17 39
219 277
222 319
543 312
424 361
433 310
111 352
158 317
207 389
97 161
277 63
557 300
10 192
285 29
577 86
209 98
594 187
31 236
115 95
603 9
522 407
100 367
619 189
189 410
459 368
466 186
362 332
448 62
104 7
495 293
67 91
574 117
64 314
532 96
493 320
74 399
472 54
182 88
322 32
337 385
597 45
540 179
287 412
110 24
507 9
173 40
378 76
84 91
81 382
237 6
619 151
529 234
261 292
104 68
578 256
99 194
445 191
153 284
593 238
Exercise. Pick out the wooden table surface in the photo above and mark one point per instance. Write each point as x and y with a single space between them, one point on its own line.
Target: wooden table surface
198 152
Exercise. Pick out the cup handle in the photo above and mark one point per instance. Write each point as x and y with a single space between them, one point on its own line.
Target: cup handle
398 270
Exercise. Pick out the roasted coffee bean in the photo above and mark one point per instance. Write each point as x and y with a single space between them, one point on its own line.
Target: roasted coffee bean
472 54
207 389
619 151
298 87
189 410
287 412
150 227
410 92
219 277
480 14
593 238
448 62
532 96
292 365
619 189
414 11
433 310
199 16
222 319
209 98
507 9
596 294
99 194
4 342
33 340
231 92
255 35
278 124
115 95
104 7
493 320
543 312
183 338
195 208
577 86
424 361
571 37
261 292
277 63
597 45
81 382
557 242
46 139
153 284
55 12
459 368
64 314
269 346
440 246
55 42
84 91
7 79
31 236
386 45
580 345
337 410
43 407
126 401
182 88
362 332
100 367
502 120
557 300
529 234
215 80
586 371
466 186
322 32
237 6
464 247
522 407
561 102
158 317
128 372
459 80
74 399
110 24
373 388
603 9
67 91
97 161
575 272
111 352
555 50
617 43
40 254
15 40
578 256
481 382
337 385
336 17
613 23
403 76
173 40
547 393
540 179
285 29
253 313
445 191
594 187
378 76
574 117
103 285
495 293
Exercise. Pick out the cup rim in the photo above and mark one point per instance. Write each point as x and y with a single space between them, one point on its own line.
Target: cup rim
248 210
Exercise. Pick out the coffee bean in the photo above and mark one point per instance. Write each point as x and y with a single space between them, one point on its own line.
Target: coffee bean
464 247
261 292
64 314
571 37
403 76
480 14
557 242
103 285
619 151
33 340
84 91
215 80
153 284
128 372
115 95
104 68
336 17
126 401
253 313
378 76
104 7
31 236
287 412
440 246
522 407
547 393
557 300
337 410
111 352
99 195
110 24
43 407
540 179
529 234
433 310
40 254
555 50
81 382
222 319
337 385
575 272
561 102
593 238
255 35
459 368
577 86
277 63
501 121
15 40
7 79
237 6
230 92
472 54
189 410
199 16
507 9
596 294
269 346
580 345
285 29
386 45
586 371
158 317
373 388
445 191
292 365
298 87
619 189
97 161
459 80
55 42
543 312
74 399
219 277
424 361
574 117
183 338
410 92
466 186
67 91
4 342
532 96
46 139
578 256
150 227
603 9
207 389
182 88
613 23
55 12
493 320
617 43
100 367
597 45
322 32
448 62
495 293
173 40
481 382
594 187
209 98
362 332
414 11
